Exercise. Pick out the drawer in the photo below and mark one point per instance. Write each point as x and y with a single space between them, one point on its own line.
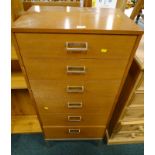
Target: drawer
53 89
85 69
72 119
75 45
72 132
130 127
134 113
137 100
74 104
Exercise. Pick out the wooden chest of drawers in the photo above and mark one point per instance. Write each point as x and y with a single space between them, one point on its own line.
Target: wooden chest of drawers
75 61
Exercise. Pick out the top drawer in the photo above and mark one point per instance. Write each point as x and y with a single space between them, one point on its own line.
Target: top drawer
34 45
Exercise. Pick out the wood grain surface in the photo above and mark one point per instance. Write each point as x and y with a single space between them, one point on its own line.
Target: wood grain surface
63 132
75 19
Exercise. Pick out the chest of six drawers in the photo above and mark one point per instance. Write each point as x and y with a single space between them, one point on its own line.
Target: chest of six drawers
74 76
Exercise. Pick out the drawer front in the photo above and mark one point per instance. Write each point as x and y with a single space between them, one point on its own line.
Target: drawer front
73 132
137 99
54 89
134 113
75 45
74 119
74 104
85 69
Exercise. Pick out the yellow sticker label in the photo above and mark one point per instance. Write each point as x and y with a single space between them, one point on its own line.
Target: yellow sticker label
93 3
104 50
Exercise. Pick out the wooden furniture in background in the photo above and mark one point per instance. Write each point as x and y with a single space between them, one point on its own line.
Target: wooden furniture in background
28 4
87 3
18 81
139 5
16 9
127 123
121 4
58 58
23 114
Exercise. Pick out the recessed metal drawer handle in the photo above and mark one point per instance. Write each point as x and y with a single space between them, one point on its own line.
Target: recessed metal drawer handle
76 46
74 105
75 89
74 131
76 69
74 118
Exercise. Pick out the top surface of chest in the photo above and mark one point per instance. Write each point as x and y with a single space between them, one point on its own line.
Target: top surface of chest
75 20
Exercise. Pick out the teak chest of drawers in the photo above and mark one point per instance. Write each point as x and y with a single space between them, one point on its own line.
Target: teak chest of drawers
75 61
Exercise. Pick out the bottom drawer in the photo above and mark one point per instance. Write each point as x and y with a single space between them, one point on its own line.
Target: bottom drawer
71 132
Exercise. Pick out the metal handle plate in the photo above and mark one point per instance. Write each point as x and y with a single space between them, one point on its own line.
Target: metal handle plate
74 105
76 69
76 46
75 89
74 131
74 118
